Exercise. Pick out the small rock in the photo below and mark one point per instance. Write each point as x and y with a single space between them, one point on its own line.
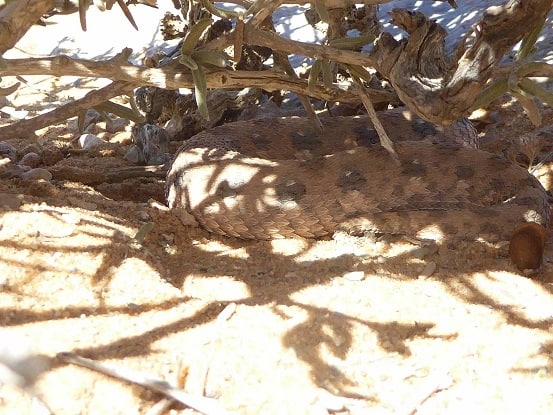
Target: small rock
354 275
143 216
117 125
7 151
92 117
527 246
134 155
88 141
422 252
10 171
428 270
51 156
30 148
82 204
37 174
186 218
159 159
30 159
10 200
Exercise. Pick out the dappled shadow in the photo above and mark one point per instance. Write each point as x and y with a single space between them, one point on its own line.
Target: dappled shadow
181 254
271 278
326 334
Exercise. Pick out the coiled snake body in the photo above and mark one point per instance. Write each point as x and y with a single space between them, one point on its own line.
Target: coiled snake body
271 178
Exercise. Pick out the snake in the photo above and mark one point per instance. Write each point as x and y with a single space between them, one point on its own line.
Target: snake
282 177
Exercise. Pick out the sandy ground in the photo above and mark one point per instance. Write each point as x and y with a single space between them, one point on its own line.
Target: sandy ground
346 325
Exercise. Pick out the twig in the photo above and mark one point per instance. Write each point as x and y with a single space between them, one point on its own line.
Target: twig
437 383
264 12
161 406
198 382
173 77
384 139
282 59
206 406
93 177
17 17
24 128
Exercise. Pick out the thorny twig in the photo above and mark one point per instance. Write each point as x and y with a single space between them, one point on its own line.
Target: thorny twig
201 404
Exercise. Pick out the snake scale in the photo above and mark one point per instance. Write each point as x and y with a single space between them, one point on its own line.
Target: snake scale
271 178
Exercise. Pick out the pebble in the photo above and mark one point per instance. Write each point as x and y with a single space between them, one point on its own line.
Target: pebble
354 275
117 125
30 159
37 174
186 218
30 148
134 155
7 151
88 141
159 159
81 203
51 156
143 216
428 270
13 170
422 252
527 245
10 200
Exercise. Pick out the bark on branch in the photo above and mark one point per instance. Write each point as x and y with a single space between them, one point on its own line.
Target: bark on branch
17 17
432 85
174 77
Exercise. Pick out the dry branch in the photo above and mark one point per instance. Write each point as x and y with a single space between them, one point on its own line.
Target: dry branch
173 77
24 128
201 404
432 85
17 17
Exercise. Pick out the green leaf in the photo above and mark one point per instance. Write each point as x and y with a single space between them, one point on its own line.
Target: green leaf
143 231
193 36
314 73
530 108
120 111
328 78
213 58
216 11
200 89
527 46
351 43
491 93
321 10
189 62
358 71
535 90
535 69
